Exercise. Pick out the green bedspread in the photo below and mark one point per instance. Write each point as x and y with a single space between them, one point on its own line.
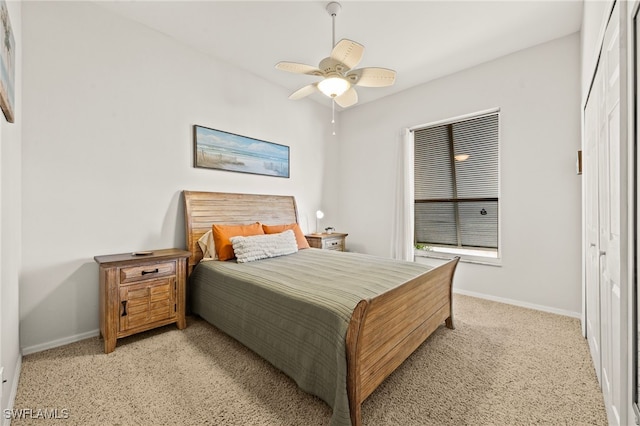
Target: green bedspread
294 310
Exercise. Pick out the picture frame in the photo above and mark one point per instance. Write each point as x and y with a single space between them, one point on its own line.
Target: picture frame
7 64
217 149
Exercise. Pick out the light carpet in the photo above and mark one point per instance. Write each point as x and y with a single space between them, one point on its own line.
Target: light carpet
502 365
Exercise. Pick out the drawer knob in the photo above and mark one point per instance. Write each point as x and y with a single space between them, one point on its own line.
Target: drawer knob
155 271
124 308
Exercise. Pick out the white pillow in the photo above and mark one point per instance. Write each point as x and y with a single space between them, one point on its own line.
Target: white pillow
256 247
208 246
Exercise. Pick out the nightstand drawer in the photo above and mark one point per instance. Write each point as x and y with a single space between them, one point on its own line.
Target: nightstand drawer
146 272
334 241
333 244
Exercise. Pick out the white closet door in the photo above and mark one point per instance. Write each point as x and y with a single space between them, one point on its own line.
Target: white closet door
609 182
592 272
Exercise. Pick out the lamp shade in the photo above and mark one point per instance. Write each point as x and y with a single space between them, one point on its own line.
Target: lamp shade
319 215
334 86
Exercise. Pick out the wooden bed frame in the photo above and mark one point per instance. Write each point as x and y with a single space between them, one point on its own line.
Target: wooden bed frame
383 331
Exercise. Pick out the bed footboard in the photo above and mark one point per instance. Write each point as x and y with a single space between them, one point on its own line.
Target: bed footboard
385 330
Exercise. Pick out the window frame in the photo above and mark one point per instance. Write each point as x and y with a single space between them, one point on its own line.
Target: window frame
466 255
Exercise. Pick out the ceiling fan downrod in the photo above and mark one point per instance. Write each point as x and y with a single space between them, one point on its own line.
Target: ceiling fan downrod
333 8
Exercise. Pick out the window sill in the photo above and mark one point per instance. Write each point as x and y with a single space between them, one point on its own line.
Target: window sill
479 260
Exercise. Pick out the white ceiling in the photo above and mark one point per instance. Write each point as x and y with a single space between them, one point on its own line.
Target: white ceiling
421 40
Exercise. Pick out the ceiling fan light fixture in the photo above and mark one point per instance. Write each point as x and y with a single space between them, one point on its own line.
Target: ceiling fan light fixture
334 86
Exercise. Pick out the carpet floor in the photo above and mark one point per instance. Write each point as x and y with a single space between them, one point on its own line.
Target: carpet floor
502 365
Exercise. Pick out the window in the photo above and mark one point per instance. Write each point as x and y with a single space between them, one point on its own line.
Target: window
456 186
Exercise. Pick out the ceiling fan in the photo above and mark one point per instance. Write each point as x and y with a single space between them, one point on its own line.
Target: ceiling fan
338 75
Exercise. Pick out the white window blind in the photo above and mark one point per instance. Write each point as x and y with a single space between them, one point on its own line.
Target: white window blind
456 183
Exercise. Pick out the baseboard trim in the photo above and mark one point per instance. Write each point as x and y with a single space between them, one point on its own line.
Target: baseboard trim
14 391
76 338
519 303
59 342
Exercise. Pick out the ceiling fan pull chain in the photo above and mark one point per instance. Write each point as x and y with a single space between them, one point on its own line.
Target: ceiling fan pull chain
333 115
333 111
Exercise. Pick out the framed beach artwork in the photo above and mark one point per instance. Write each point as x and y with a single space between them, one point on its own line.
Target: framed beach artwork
217 149
7 65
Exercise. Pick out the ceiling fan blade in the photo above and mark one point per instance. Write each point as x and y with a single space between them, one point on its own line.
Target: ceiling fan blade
348 98
372 77
304 91
348 52
298 68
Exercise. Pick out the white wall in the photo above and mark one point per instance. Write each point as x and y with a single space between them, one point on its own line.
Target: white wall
107 148
10 240
109 107
538 92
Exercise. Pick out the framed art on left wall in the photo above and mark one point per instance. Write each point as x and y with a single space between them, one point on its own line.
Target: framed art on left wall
7 64
217 149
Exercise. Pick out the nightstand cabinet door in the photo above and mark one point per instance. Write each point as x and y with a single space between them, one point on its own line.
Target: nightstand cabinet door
147 302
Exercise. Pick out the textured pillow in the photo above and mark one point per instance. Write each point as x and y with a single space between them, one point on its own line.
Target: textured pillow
248 249
276 229
207 246
222 233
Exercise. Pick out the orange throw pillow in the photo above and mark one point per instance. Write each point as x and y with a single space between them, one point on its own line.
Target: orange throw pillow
276 229
222 233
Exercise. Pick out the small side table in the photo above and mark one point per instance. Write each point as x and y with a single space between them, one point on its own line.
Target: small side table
333 241
141 292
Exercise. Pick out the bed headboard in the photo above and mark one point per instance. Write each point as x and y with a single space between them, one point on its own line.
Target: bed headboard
203 209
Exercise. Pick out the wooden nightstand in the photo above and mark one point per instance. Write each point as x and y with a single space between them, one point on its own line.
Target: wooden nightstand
334 241
140 292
